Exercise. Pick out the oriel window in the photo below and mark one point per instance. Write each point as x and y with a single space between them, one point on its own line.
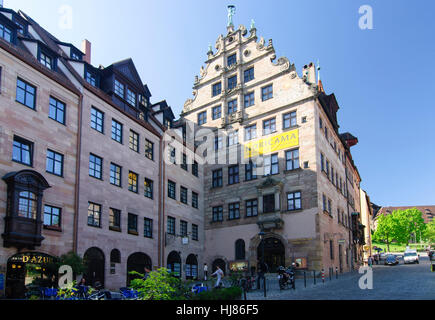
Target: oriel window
27 205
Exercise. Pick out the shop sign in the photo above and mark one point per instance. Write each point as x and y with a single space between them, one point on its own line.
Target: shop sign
272 144
239 266
32 258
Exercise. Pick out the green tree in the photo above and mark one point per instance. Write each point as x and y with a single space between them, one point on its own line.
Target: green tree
385 230
429 233
159 285
408 223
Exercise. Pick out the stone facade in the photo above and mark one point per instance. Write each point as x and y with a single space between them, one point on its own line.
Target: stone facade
320 237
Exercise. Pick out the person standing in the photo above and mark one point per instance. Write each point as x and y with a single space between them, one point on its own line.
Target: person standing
205 271
262 269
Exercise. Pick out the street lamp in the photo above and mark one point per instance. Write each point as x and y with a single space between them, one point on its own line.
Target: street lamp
261 235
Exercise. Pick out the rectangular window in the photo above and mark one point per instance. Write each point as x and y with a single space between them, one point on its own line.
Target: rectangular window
327 168
252 208
267 93
331 249
232 59
232 82
324 203
97 120
289 120
57 110
149 149
52 216
171 226
292 159
132 182
216 89
132 223
233 138
329 206
232 106
218 143
22 151
183 195
249 74
217 178
131 97
5 33
95 166
26 94
195 232
183 228
119 89
202 118
172 155
322 162
54 163
217 214
271 165
194 200
233 174
269 203
195 168
269 126
115 174
116 131
249 99
250 171
148 188
115 219
251 132
133 141
148 228
184 162
94 215
294 201
216 112
171 190
234 211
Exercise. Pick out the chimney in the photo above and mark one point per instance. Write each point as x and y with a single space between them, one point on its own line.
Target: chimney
86 49
1 3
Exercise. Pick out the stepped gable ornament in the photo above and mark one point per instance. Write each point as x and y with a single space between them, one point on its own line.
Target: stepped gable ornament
243 30
252 24
260 44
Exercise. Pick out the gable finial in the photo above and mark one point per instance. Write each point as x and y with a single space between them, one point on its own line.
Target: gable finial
318 70
252 24
231 13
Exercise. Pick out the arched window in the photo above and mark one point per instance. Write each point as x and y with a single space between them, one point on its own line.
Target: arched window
174 264
115 256
240 249
191 267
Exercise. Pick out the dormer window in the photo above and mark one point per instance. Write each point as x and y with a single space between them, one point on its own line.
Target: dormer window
131 97
75 56
20 28
119 89
5 33
91 78
46 60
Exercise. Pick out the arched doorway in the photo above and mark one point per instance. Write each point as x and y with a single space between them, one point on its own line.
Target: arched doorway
174 264
28 271
219 263
137 262
191 267
274 253
94 261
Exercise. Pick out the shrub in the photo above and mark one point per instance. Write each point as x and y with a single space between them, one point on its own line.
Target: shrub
232 293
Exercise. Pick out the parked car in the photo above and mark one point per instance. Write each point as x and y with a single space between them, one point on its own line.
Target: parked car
391 260
411 256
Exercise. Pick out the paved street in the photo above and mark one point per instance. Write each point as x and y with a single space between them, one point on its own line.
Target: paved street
401 282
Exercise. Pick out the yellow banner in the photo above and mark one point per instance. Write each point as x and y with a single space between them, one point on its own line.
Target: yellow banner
272 144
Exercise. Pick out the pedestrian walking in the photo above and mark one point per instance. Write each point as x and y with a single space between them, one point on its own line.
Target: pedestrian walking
370 261
219 274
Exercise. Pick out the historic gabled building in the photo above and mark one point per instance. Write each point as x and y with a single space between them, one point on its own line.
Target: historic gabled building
283 168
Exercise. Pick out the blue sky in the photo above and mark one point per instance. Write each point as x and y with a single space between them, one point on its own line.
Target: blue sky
382 78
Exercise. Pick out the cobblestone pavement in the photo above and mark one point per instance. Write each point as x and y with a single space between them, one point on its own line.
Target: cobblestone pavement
400 282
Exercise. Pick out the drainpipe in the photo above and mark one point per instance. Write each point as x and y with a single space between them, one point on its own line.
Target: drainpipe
77 184
161 214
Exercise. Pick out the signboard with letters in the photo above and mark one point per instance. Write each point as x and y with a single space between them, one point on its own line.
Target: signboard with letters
239 266
268 145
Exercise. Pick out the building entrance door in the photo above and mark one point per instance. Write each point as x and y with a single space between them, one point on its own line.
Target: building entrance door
340 257
94 261
274 253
